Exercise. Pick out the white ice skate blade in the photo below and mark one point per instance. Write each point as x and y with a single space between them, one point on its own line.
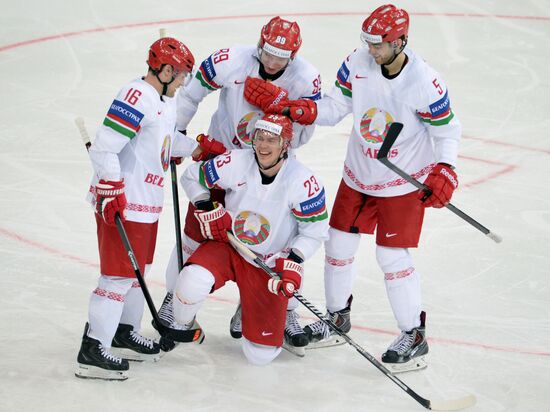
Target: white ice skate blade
93 372
334 340
131 355
414 364
295 350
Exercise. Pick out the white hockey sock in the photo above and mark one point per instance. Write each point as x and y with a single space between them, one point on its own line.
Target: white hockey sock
188 246
340 270
402 285
194 285
105 307
259 355
134 302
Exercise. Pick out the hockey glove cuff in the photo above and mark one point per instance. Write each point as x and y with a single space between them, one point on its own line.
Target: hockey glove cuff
110 200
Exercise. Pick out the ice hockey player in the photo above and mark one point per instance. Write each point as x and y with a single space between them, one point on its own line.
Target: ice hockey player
276 207
275 59
130 156
380 83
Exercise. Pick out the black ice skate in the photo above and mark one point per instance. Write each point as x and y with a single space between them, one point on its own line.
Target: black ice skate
321 336
235 325
166 316
130 345
295 339
406 353
95 362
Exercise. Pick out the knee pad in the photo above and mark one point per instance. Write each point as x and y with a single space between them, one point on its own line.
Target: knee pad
257 354
341 245
194 284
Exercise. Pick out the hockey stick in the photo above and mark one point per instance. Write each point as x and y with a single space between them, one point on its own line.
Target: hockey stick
190 335
177 218
382 156
441 405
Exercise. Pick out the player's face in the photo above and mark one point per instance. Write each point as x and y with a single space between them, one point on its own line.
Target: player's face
381 52
273 64
179 80
268 147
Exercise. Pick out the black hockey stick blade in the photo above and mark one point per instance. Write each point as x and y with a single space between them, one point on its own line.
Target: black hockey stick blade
389 140
443 405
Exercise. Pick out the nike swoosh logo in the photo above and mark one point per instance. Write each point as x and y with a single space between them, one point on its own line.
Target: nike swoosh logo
241 184
159 113
267 333
360 77
238 82
391 234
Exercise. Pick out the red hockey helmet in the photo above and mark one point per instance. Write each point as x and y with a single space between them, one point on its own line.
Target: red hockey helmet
385 24
280 38
168 50
277 125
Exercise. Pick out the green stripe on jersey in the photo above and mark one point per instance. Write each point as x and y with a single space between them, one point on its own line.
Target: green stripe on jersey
118 128
345 91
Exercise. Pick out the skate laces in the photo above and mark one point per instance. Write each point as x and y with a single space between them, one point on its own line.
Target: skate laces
165 312
320 328
403 343
141 340
107 355
292 326
236 325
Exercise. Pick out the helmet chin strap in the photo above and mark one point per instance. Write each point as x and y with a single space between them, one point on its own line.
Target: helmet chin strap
164 84
398 53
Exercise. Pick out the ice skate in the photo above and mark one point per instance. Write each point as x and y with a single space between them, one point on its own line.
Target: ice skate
166 316
130 345
406 353
321 336
235 325
295 339
95 361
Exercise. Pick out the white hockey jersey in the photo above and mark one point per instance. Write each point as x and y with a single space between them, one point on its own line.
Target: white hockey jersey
417 97
134 143
226 70
270 219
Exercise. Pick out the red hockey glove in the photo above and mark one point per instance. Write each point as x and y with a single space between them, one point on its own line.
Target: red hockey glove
215 223
110 200
303 111
209 148
442 182
262 94
290 277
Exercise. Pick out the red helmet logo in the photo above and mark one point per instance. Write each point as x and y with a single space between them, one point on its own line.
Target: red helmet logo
170 51
281 38
385 24
277 124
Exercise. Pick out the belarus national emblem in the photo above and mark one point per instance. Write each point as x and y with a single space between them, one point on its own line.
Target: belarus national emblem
245 128
375 123
165 153
251 228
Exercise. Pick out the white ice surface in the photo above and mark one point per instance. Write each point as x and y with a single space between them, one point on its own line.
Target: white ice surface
488 304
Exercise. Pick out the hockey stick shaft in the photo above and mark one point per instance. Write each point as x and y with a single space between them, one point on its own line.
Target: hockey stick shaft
441 405
190 335
382 156
177 218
